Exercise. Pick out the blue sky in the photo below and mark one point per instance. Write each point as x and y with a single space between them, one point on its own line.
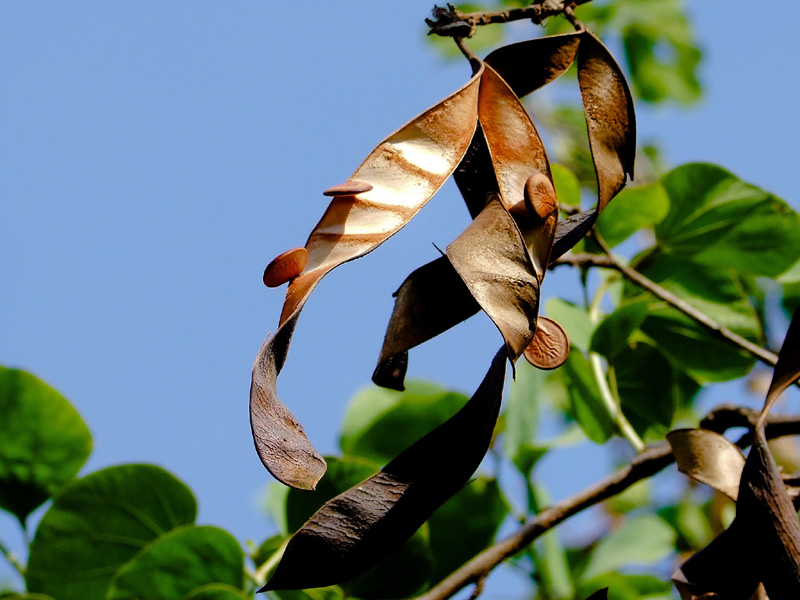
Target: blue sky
155 156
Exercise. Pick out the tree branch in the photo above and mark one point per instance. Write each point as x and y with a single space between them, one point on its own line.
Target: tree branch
610 262
644 465
453 22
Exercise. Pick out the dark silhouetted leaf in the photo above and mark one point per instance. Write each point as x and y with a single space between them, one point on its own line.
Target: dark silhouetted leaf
179 562
98 523
650 402
356 529
709 458
44 442
716 219
380 423
609 113
612 334
405 171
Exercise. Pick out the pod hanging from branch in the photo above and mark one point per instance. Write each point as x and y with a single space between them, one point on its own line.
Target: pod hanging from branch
354 530
398 177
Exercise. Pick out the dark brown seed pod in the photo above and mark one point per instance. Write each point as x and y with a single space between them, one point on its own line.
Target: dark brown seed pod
550 346
348 188
285 267
540 197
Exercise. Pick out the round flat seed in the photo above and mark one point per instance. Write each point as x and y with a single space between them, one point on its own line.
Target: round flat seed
285 267
549 347
348 188
540 195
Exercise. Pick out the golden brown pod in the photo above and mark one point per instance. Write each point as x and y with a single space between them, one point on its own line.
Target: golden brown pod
348 188
404 170
285 267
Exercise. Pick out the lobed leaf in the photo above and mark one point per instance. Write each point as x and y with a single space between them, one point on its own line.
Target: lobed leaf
404 170
356 529
44 443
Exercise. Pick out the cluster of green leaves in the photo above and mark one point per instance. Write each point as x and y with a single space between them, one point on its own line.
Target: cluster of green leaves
123 532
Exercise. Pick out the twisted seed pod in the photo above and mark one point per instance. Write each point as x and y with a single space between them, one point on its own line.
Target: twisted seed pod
402 173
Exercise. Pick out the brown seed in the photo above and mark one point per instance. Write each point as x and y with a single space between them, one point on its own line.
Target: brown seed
549 347
285 267
540 196
348 188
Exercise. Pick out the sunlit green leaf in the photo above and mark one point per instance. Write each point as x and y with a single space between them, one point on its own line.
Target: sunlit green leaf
690 520
632 209
586 404
628 587
98 523
568 188
179 562
716 219
573 319
381 423
465 525
43 444
523 407
643 540
217 591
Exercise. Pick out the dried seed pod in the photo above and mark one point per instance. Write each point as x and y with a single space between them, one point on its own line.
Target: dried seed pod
540 195
550 345
285 267
348 188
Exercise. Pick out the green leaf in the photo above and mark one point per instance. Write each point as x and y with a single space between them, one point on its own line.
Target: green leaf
643 540
647 387
719 294
217 591
586 404
98 523
44 442
549 557
632 210
268 548
691 522
791 298
465 525
568 188
628 587
613 332
333 592
179 562
523 406
718 220
573 319
380 423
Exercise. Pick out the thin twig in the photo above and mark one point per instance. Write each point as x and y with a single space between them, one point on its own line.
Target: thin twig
611 262
644 465
536 13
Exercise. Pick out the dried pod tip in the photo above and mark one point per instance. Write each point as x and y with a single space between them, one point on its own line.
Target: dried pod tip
549 347
348 188
540 197
285 267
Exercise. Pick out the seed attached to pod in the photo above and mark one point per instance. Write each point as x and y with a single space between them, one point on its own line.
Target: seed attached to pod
549 347
285 267
540 197
348 188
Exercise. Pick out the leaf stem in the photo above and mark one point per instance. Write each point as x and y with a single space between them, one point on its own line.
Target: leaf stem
610 401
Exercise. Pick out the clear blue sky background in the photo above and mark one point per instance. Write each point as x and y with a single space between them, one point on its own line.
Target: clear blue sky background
154 156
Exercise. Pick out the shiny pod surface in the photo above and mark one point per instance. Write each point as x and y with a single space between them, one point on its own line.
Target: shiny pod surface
285 267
